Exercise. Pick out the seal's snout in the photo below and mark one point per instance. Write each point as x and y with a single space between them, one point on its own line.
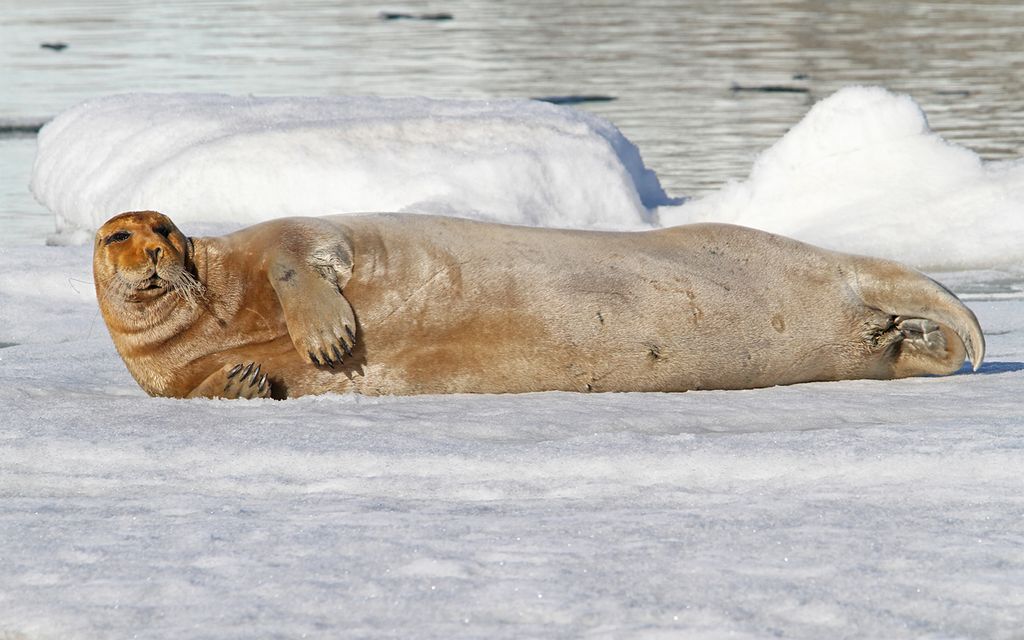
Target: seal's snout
154 254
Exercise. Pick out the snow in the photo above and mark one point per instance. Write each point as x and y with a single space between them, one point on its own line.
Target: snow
862 172
852 509
244 160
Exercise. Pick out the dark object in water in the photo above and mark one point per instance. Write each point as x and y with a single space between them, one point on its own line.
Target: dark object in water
8 129
55 46
801 76
388 15
960 93
770 88
575 99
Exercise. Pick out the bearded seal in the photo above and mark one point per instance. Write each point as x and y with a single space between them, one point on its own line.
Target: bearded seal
409 304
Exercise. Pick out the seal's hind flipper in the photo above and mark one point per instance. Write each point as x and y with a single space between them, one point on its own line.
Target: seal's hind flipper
938 331
928 346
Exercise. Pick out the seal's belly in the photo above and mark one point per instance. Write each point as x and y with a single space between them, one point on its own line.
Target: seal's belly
646 323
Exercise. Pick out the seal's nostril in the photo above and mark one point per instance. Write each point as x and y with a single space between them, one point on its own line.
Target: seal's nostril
153 254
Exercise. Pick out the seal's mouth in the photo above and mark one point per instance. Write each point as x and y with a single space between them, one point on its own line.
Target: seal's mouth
152 282
148 289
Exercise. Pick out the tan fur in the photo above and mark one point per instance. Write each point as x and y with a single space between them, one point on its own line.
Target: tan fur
444 305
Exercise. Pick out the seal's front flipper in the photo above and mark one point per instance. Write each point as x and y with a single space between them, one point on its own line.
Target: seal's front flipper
321 322
233 382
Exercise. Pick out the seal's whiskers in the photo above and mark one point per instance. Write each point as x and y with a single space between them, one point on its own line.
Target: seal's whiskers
186 286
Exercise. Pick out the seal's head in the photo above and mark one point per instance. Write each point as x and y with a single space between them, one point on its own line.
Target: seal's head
141 256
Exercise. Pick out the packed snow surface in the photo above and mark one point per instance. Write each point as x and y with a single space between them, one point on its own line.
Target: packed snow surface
831 510
879 509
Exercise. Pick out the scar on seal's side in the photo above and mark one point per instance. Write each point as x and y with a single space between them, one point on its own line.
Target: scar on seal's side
407 304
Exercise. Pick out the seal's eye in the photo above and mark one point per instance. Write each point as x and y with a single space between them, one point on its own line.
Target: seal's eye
119 236
162 230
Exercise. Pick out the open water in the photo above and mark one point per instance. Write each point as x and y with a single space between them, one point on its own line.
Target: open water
700 87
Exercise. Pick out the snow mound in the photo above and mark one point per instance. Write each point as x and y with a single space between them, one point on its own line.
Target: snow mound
863 172
244 159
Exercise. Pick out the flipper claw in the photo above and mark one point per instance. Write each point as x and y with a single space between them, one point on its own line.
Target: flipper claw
246 380
327 360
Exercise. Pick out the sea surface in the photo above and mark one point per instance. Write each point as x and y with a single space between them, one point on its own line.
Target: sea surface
700 87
